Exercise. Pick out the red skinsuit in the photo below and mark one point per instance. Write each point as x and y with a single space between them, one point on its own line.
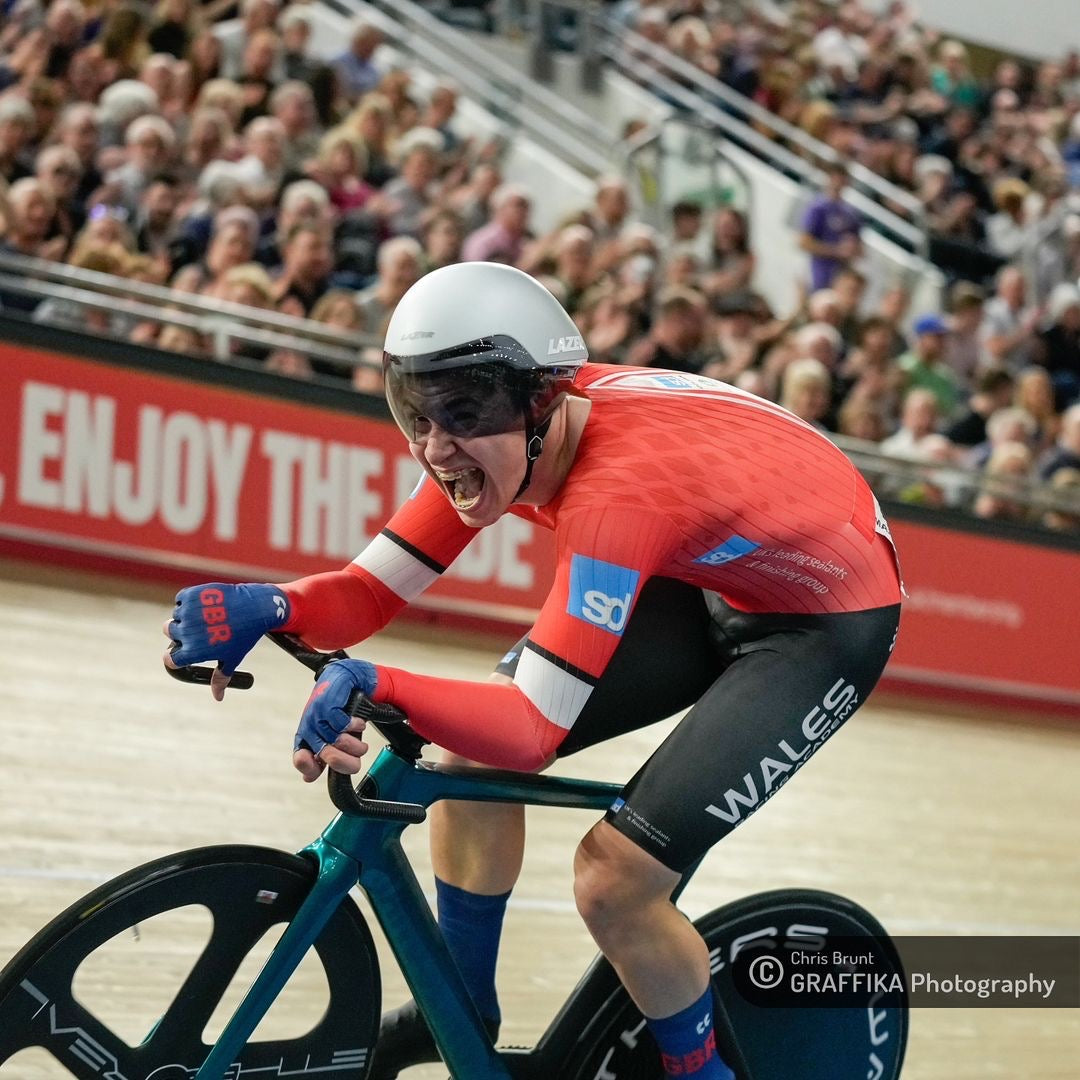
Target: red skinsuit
675 475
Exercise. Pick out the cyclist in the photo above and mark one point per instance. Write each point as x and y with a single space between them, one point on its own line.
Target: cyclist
713 552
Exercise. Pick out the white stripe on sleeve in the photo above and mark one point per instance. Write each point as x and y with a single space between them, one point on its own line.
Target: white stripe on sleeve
559 695
399 571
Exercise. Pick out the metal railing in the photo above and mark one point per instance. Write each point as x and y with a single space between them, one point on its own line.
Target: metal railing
227 327
764 134
957 487
495 84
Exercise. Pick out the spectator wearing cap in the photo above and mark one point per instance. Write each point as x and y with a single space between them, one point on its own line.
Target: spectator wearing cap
924 364
1008 330
503 238
678 330
356 67
830 230
993 391
1058 346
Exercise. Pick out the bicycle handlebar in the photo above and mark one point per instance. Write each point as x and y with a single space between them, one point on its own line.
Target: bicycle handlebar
388 720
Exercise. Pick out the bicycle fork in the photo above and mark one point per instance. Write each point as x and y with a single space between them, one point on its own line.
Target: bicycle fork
337 875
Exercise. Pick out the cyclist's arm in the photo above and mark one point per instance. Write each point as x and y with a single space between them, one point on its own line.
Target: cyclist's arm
605 559
339 608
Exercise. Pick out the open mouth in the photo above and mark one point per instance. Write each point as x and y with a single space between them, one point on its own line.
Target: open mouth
464 485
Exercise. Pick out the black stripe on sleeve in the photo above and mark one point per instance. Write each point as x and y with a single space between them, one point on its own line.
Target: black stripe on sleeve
415 552
563 665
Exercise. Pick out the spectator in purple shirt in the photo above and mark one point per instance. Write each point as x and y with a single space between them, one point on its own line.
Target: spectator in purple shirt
503 238
830 230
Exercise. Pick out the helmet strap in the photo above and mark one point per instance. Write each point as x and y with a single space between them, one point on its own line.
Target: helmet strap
534 447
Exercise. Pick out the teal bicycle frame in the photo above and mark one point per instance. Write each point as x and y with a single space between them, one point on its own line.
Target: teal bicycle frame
366 851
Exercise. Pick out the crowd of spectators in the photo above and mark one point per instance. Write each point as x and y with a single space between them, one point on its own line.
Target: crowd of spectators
987 156
214 153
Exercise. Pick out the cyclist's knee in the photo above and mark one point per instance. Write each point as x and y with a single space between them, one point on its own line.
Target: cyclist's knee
614 879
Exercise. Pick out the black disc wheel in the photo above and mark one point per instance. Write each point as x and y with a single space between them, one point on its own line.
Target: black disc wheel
242 896
863 1041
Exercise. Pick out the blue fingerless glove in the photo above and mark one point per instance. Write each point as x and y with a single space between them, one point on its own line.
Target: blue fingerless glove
326 714
223 622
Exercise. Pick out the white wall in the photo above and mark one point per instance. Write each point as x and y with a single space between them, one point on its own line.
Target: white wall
1036 28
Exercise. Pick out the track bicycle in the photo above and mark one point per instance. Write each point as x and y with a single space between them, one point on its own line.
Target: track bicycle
598 1034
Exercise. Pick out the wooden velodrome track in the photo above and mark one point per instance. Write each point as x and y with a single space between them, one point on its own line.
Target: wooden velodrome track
940 824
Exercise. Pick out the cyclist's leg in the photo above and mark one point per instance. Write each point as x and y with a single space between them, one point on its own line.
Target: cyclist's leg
477 847
790 682
665 661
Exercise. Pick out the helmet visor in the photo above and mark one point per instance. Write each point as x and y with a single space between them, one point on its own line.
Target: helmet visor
465 402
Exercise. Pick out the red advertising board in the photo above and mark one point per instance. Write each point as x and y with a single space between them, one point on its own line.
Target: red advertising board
149 468
158 471
987 616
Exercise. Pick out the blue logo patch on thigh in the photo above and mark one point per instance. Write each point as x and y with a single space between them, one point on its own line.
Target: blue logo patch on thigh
601 593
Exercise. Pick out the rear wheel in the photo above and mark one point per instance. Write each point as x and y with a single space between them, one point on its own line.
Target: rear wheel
861 1042
248 892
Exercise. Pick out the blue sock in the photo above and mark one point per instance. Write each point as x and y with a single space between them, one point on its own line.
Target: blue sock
687 1042
472 925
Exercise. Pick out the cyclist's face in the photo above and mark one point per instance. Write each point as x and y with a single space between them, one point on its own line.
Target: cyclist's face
479 475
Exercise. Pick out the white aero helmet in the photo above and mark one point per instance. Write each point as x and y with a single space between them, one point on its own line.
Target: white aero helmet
479 349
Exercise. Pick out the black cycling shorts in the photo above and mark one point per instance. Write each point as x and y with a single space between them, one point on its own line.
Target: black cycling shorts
767 691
